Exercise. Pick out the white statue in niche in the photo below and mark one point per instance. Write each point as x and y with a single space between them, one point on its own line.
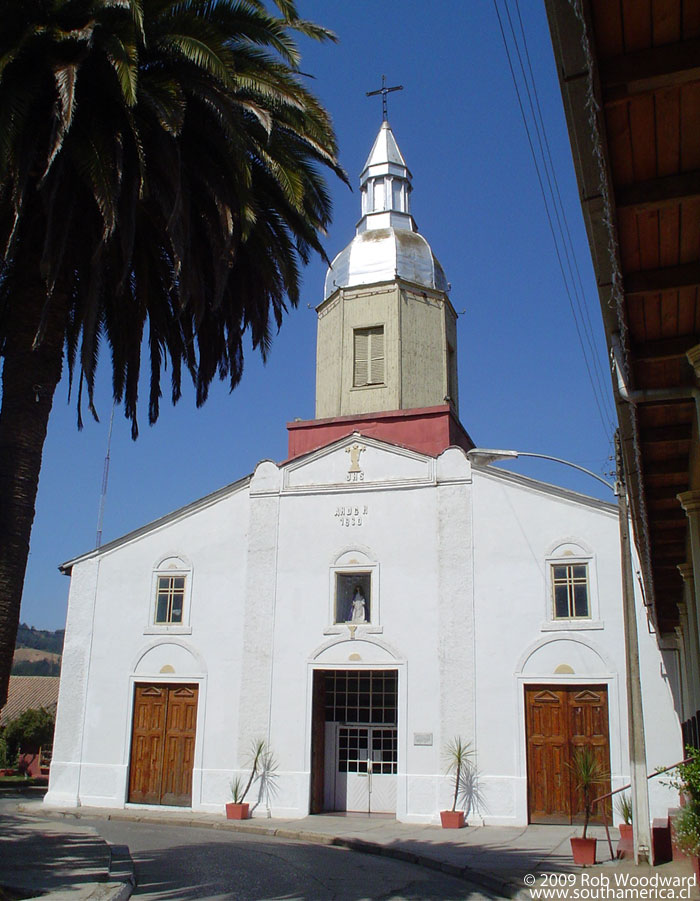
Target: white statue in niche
358 614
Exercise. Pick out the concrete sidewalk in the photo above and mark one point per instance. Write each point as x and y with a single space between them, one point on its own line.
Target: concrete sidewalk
496 858
58 858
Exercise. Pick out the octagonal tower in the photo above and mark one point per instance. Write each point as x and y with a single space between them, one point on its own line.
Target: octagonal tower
387 337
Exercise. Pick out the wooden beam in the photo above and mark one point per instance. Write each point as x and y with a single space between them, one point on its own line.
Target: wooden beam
661 539
657 494
667 553
664 349
670 570
670 483
672 466
665 435
655 281
645 71
669 519
658 193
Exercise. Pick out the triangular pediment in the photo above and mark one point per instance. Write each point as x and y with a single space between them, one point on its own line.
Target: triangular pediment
546 697
586 697
357 461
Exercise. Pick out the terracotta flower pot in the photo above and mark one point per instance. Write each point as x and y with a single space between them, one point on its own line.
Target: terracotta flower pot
625 847
583 851
452 819
236 811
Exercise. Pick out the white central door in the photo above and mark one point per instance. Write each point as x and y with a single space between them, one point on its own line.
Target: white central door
365 769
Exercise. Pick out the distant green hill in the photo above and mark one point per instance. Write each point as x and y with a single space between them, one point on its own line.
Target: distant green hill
43 667
41 639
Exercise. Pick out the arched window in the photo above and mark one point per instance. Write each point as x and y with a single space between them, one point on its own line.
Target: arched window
572 596
171 591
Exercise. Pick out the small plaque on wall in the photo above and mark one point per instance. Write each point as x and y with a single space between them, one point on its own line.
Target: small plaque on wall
423 738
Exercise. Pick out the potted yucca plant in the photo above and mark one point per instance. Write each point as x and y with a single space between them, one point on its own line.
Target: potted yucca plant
457 754
238 808
623 806
587 773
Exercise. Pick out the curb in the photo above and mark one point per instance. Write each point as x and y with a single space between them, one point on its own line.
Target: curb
120 880
122 875
490 883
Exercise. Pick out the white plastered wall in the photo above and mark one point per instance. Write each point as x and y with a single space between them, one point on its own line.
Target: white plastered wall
516 528
460 606
111 644
414 536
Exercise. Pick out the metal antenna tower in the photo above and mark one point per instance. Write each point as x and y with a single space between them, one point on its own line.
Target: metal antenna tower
105 479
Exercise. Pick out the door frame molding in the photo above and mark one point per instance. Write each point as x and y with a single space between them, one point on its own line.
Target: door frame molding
617 726
164 679
566 688
401 716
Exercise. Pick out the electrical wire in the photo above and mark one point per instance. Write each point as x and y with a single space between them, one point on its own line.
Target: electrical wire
561 235
602 377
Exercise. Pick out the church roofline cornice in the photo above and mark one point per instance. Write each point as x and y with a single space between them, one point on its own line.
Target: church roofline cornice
367 290
495 473
171 517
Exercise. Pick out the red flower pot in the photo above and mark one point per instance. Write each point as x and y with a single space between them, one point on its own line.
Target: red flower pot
452 819
625 847
236 811
583 851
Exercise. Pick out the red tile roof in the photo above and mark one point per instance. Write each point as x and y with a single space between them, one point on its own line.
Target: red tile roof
27 693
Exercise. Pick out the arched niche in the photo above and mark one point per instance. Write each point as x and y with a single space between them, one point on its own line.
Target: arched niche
565 655
357 652
169 657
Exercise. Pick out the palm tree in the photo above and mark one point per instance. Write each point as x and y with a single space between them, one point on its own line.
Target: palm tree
161 180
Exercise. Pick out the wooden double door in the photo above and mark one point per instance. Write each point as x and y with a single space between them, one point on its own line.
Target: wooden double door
558 720
162 744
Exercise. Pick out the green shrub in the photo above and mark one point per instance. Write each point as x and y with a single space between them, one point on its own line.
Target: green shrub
686 827
685 778
30 730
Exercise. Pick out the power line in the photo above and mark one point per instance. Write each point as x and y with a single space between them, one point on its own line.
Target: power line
579 291
561 245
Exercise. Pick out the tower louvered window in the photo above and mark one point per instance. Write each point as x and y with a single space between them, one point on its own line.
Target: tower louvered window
368 356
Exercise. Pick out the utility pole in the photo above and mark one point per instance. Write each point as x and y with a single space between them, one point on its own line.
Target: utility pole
635 712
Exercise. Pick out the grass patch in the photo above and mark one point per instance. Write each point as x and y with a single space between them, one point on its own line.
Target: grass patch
15 781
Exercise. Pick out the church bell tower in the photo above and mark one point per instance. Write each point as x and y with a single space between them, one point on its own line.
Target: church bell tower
387 335
386 356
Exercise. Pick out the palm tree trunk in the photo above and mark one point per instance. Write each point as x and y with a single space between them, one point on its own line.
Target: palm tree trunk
29 380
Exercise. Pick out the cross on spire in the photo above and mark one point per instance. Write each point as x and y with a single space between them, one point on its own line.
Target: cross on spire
384 90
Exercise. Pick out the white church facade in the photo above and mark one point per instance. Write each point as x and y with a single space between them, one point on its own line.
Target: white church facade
364 602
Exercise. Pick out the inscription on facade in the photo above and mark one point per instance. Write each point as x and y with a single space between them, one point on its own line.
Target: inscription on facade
423 738
351 516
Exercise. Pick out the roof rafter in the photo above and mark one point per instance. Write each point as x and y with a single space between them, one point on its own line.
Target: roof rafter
658 193
669 278
646 71
664 349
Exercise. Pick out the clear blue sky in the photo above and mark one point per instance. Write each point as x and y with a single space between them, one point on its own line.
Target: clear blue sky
476 198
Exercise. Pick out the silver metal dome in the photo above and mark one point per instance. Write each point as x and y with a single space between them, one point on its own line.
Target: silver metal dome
383 254
387 244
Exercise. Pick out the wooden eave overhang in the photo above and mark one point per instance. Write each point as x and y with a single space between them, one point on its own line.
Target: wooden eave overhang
630 78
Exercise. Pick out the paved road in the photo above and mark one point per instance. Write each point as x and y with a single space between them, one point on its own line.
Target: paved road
180 863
